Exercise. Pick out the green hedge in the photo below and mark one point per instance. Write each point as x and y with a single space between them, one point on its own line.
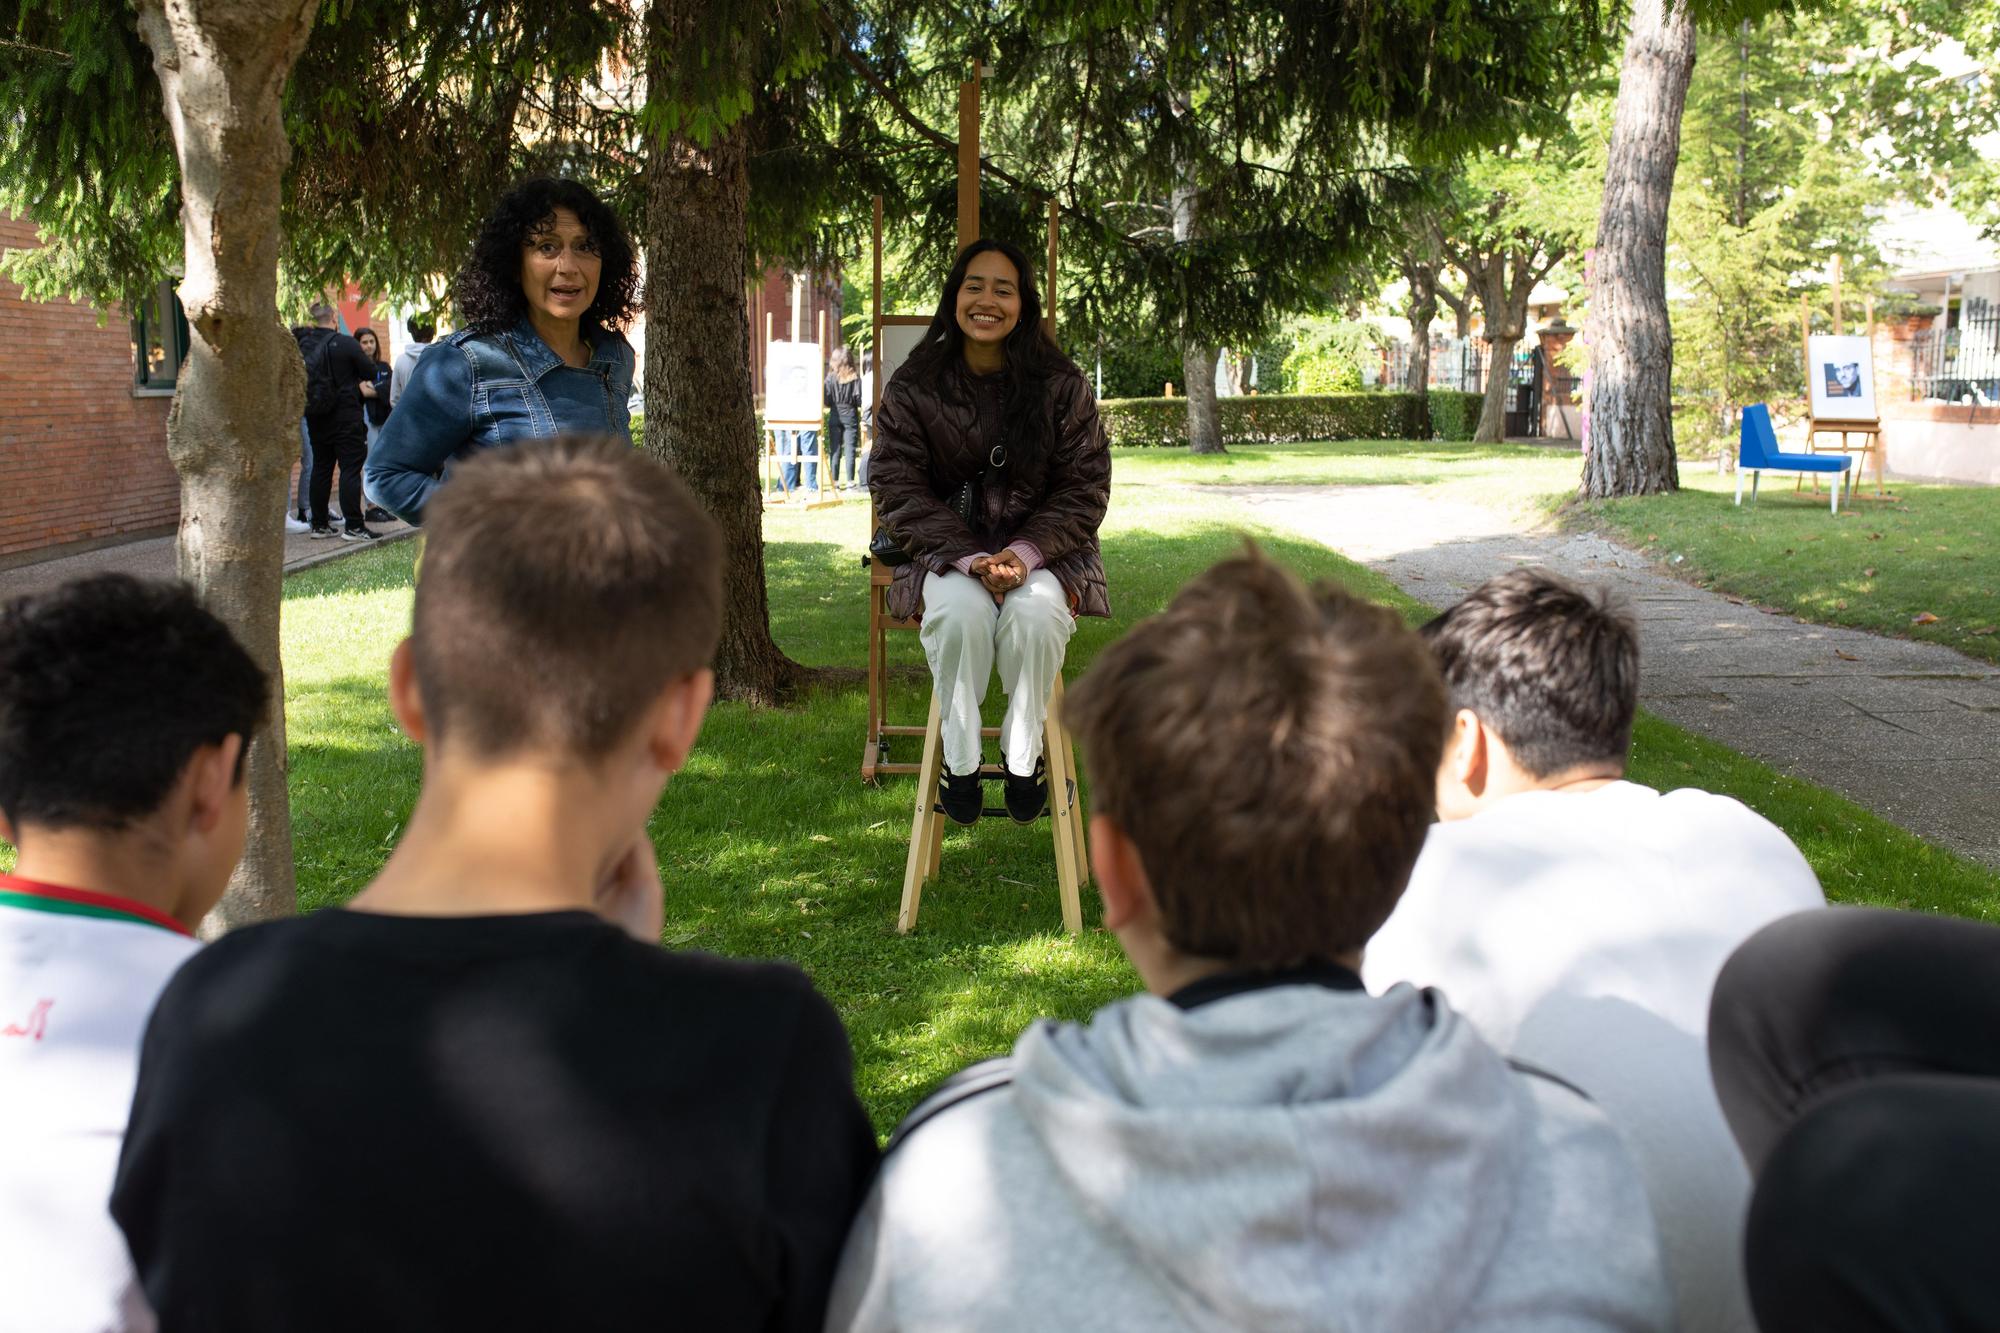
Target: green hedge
1454 415
1271 418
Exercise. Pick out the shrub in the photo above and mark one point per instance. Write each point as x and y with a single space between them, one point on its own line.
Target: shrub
1269 418
1138 367
1454 415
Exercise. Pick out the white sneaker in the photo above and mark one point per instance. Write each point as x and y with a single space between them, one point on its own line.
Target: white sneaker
292 524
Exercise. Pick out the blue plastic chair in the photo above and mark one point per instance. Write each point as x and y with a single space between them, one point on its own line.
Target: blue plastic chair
1757 453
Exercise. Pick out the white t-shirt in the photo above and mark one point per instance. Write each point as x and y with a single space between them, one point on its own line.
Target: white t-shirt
79 972
1582 932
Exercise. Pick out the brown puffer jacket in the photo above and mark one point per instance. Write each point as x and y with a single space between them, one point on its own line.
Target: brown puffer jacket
929 442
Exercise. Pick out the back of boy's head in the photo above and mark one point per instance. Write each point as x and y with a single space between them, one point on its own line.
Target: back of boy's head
1272 754
1552 668
565 584
108 685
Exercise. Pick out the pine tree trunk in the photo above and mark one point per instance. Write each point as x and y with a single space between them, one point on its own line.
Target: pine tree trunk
1204 423
1492 426
1197 354
1631 444
700 416
233 430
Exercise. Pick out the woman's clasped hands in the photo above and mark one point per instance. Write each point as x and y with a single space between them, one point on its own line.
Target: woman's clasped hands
1000 573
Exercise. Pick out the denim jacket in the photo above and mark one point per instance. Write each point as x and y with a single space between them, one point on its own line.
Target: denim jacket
470 391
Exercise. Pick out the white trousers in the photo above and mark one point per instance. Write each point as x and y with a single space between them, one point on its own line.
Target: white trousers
964 633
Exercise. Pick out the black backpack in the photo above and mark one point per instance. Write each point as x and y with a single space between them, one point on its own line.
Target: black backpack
322 394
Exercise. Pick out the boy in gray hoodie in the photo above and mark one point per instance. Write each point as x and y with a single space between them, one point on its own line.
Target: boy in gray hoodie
1256 1142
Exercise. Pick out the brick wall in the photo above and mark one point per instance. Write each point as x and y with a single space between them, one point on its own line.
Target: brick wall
82 460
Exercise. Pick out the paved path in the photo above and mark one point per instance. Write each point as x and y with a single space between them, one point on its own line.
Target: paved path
1909 730
154 558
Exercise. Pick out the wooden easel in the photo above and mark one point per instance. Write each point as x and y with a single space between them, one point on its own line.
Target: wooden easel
1869 432
875 744
820 499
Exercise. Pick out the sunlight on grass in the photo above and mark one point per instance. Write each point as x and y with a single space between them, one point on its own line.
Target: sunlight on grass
1881 565
771 846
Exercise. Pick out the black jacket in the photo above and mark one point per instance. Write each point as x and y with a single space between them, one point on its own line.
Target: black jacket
350 366
931 440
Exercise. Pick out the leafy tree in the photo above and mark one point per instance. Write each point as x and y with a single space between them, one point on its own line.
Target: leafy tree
1765 198
1514 215
205 118
1223 164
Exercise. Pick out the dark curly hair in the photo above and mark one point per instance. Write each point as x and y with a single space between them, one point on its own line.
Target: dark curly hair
1032 356
108 685
487 291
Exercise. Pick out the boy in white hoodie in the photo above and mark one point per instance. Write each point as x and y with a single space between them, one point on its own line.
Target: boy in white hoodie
1256 1142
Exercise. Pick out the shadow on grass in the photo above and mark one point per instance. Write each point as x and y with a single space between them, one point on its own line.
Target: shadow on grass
770 845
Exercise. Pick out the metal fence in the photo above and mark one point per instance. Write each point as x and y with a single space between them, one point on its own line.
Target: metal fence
1962 362
1456 363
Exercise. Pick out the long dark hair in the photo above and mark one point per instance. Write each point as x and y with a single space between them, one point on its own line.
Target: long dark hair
487 290
1032 356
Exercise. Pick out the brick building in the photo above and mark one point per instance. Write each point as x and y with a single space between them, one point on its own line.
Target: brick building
83 429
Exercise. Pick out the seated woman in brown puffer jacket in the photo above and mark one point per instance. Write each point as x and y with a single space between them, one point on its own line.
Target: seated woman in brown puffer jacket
987 398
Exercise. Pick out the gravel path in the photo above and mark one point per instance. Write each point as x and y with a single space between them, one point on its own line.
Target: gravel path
1909 730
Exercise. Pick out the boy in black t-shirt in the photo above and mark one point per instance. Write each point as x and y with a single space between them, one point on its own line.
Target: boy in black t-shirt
482 1096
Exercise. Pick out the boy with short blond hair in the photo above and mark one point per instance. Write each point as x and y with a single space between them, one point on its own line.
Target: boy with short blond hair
1256 1142
482 1096
125 711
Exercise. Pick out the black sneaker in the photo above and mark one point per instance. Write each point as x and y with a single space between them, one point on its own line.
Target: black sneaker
323 530
360 535
377 514
961 797
1028 797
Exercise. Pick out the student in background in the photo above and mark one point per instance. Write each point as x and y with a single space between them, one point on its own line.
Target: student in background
124 712
842 394
421 331
1578 918
339 376
376 404
1256 1142
481 1096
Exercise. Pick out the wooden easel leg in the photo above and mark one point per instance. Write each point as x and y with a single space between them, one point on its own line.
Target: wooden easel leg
871 744
924 842
1062 813
1076 824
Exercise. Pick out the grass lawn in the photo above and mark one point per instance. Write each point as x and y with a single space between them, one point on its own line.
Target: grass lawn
771 846
1881 565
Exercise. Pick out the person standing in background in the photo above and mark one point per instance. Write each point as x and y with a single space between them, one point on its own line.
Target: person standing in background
421 329
377 401
339 375
843 417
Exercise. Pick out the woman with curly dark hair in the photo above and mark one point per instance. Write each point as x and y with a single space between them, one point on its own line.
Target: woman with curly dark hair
542 298
990 469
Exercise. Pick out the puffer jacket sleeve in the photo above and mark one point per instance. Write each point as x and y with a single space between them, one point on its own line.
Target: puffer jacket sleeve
1079 488
899 477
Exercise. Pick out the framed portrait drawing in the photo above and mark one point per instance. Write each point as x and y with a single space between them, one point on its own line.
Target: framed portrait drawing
1840 377
792 384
